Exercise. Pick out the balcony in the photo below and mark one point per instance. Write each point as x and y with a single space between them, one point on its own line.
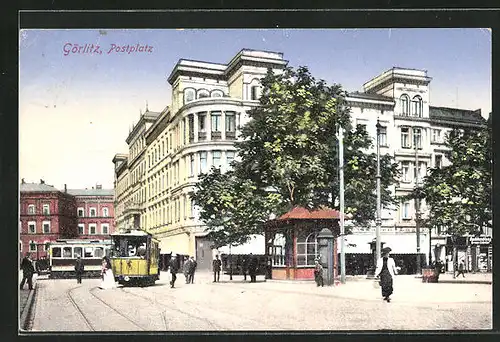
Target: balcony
202 136
133 208
231 135
216 135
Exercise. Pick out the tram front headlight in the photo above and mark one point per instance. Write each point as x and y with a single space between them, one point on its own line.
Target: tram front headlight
127 278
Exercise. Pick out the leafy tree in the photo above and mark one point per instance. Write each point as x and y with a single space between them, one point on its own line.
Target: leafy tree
232 209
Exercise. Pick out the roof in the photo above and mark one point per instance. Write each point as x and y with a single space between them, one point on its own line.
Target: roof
300 213
132 232
91 192
36 187
456 114
370 96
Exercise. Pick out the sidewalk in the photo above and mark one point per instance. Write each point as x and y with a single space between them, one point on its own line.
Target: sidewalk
470 278
26 300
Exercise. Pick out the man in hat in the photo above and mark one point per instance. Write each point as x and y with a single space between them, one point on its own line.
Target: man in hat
79 268
318 273
192 269
28 270
252 268
386 270
174 267
216 266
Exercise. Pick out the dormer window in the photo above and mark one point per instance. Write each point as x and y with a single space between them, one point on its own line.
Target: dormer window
416 106
216 93
202 93
405 105
189 95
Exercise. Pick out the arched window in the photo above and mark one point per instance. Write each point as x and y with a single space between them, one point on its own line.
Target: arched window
307 249
189 95
255 92
105 212
216 93
202 93
405 105
32 246
416 106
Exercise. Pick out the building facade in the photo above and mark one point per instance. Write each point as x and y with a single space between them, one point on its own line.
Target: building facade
94 212
46 214
169 149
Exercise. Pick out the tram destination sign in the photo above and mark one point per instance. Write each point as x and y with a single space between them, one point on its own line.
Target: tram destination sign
483 240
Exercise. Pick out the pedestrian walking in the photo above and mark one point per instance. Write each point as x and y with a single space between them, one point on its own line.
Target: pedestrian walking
216 266
192 269
386 270
244 267
79 268
174 268
318 274
252 268
186 269
28 270
461 269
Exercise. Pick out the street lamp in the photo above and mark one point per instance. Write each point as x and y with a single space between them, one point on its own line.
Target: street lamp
325 240
378 220
417 203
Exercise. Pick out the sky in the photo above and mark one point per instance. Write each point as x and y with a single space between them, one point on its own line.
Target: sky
76 109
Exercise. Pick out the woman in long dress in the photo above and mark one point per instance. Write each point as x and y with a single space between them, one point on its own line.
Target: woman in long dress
386 270
107 276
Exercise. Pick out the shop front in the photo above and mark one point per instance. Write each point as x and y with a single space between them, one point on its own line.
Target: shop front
481 253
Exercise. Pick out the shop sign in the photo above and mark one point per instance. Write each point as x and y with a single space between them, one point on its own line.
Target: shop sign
484 240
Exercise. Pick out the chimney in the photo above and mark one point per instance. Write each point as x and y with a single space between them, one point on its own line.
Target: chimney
22 181
98 186
92 188
65 189
42 181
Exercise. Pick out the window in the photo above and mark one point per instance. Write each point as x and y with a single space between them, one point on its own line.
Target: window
32 227
92 229
56 252
105 228
105 212
80 212
422 170
405 137
405 104
89 252
405 210
192 208
191 127
31 209
46 210
417 137
46 227
255 92
230 121
230 157
436 135
188 95
416 106
201 122
383 136
203 162
278 250
216 121
405 171
81 228
99 252
217 93
307 250
78 252
67 252
438 161
202 93
191 165
32 246
216 156
93 212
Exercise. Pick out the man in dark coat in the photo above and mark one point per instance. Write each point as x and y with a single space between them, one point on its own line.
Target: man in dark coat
252 268
192 269
79 268
244 267
216 266
174 267
28 270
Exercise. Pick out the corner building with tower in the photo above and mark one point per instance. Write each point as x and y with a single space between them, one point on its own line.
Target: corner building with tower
170 148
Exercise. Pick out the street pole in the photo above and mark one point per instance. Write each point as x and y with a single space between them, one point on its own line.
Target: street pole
378 220
430 247
230 264
341 200
417 209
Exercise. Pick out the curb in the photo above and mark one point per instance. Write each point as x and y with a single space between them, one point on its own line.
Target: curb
28 309
486 282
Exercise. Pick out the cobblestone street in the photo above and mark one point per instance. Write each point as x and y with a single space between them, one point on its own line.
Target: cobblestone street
63 305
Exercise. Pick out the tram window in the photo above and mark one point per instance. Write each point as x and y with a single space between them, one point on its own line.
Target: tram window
77 252
98 252
56 252
88 252
67 252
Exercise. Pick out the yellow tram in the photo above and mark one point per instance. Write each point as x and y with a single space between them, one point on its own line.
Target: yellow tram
135 257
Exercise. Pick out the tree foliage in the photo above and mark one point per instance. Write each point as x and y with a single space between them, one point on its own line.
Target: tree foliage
458 196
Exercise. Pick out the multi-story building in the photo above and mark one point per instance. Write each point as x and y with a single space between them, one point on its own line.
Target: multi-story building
46 214
167 150
95 212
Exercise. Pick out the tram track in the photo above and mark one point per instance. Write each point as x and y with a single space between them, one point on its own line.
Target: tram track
189 314
72 300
